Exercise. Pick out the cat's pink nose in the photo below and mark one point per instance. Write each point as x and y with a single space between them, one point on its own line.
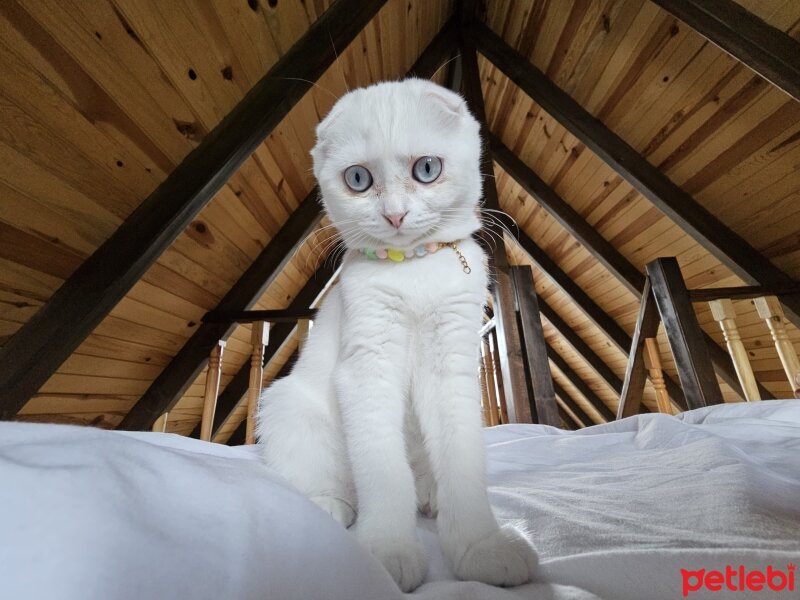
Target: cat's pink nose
395 220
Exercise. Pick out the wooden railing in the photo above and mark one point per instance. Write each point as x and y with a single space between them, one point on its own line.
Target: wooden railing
261 321
666 299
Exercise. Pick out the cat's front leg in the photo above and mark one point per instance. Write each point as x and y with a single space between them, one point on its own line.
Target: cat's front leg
446 396
371 385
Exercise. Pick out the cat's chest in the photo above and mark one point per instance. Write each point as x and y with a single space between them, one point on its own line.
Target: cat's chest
417 285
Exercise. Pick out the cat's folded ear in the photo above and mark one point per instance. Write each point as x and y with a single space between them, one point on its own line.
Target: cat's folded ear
451 107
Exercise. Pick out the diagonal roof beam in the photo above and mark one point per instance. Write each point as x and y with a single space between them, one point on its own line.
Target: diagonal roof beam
33 354
768 51
726 245
233 393
191 359
580 385
602 250
561 394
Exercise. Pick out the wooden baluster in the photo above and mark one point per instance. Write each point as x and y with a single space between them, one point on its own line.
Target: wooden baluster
485 417
652 362
160 426
259 338
303 326
770 310
212 391
488 367
724 313
498 377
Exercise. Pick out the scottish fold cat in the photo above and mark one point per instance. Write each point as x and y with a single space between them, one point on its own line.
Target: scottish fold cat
380 417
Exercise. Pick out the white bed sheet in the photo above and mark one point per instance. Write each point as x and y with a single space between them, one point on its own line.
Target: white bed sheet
616 511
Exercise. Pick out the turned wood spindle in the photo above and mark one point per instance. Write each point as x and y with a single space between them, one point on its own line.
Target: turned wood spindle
652 362
211 391
488 365
259 338
770 310
724 313
160 426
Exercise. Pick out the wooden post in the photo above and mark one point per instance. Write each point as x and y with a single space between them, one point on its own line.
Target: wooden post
212 390
770 310
652 362
485 416
630 399
532 335
258 339
160 426
724 313
488 367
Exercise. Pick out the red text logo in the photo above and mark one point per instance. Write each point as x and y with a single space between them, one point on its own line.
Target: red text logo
738 580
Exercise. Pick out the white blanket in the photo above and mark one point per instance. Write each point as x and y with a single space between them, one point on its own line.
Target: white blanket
616 511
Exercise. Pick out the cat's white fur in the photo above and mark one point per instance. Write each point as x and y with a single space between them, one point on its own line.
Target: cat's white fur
380 416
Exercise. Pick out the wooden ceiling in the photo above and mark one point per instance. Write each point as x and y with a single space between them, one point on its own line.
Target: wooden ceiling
102 100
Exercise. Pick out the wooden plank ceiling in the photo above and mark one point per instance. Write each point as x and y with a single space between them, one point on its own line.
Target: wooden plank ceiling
103 99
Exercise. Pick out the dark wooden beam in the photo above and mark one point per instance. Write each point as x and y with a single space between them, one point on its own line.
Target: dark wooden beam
630 400
590 308
767 50
233 393
602 250
544 397
683 331
579 384
238 436
192 358
561 393
743 292
512 368
268 316
567 217
34 353
726 245
580 347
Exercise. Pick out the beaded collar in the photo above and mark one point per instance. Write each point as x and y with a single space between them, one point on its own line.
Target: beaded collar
422 250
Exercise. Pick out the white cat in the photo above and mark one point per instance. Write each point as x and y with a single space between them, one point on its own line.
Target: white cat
381 415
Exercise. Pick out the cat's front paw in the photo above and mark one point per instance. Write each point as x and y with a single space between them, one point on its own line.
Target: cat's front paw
405 561
504 557
337 508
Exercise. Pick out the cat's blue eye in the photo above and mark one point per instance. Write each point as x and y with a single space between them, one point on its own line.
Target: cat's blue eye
357 178
427 169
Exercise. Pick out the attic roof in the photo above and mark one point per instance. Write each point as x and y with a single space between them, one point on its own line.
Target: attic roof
103 106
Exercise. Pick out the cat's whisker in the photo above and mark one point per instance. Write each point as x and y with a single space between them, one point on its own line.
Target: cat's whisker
314 83
339 64
447 62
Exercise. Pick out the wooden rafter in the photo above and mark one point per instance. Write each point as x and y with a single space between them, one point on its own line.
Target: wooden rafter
562 395
34 353
186 365
602 250
512 368
768 51
718 239
579 384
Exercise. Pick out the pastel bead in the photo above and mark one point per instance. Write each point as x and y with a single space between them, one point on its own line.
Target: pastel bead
431 247
396 255
370 253
420 251
381 253
409 254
